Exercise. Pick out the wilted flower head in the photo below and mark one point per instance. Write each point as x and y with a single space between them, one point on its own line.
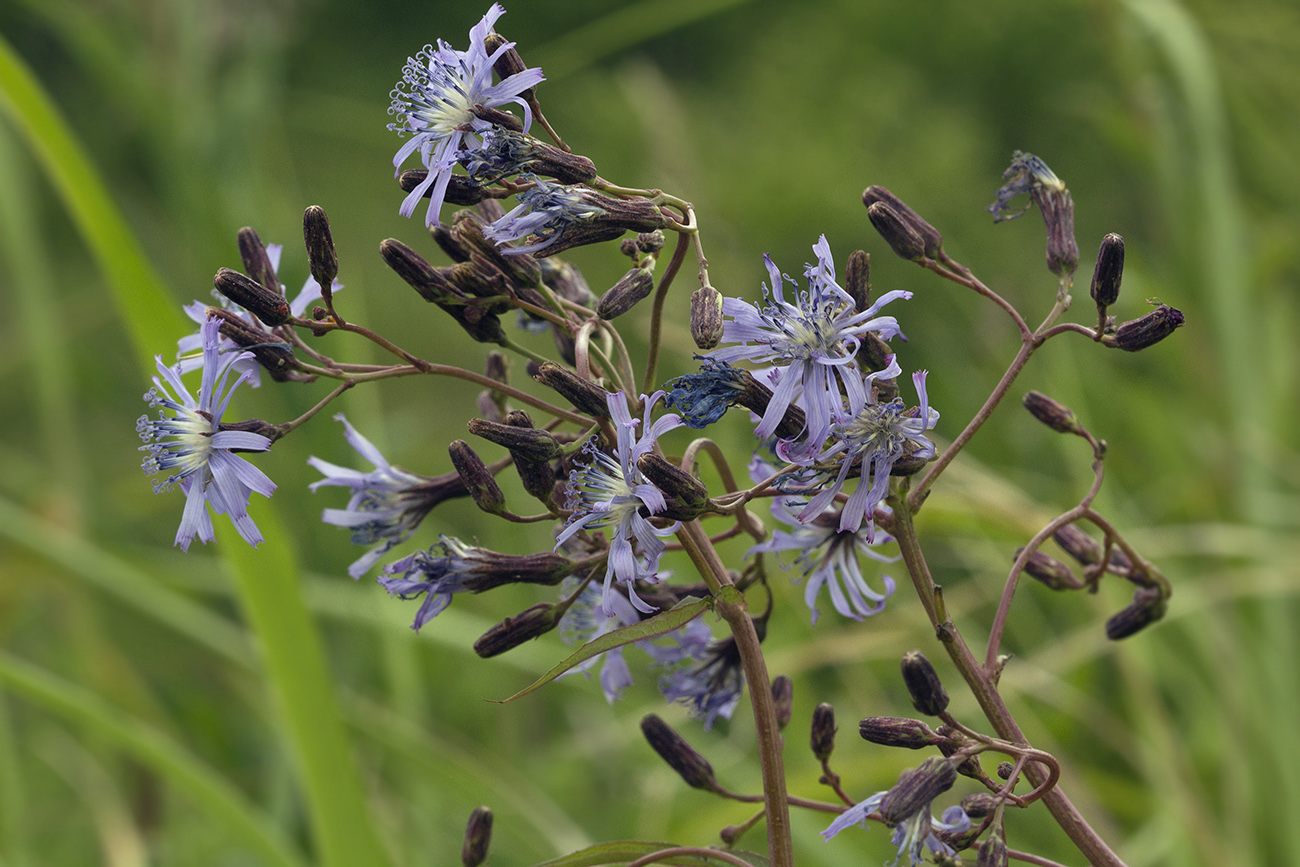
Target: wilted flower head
913 834
705 675
828 556
191 447
545 210
439 573
877 437
815 338
610 491
435 103
387 503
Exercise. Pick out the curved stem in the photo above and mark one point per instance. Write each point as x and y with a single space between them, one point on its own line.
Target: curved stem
657 312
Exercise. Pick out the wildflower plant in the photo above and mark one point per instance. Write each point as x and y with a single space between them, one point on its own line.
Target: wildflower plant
811 368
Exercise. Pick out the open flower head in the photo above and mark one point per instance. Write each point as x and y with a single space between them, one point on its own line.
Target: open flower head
815 337
703 674
387 503
592 615
828 556
610 491
434 102
913 835
190 446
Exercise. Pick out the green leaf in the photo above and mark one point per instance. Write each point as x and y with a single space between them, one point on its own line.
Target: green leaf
666 621
623 851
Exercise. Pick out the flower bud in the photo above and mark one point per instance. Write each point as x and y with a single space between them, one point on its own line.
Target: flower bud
857 281
650 242
1078 544
478 834
916 788
514 631
631 288
685 496
929 235
265 304
1108 272
270 351
538 477
434 286
257 264
706 317
979 804
460 189
1147 607
993 852
692 767
823 731
1138 334
467 232
1052 413
584 394
928 695
900 236
783 699
477 478
953 741
537 445
1050 571
321 256
892 731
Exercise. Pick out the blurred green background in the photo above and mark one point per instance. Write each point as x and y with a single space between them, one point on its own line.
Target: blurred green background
231 707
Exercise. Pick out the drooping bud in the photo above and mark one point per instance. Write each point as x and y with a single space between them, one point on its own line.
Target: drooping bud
322 259
692 767
270 351
890 731
953 741
477 478
783 699
1052 413
1028 174
706 317
514 631
538 477
1050 571
823 731
584 394
1147 331
434 286
267 305
1147 607
898 234
631 288
685 496
916 788
478 834
1078 544
928 695
537 445
857 281
1109 271
931 240
257 264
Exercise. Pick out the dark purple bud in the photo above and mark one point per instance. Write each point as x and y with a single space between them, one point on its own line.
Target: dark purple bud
267 305
898 234
953 742
931 240
1138 334
1078 544
477 478
514 631
478 835
692 767
1147 607
257 264
435 285
893 731
321 256
650 242
1109 271
537 445
1052 413
823 731
460 190
783 699
857 281
538 477
584 394
928 695
1050 571
979 805
508 63
916 788
684 494
993 852
632 288
270 351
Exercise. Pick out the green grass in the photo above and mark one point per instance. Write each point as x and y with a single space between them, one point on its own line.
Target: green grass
233 707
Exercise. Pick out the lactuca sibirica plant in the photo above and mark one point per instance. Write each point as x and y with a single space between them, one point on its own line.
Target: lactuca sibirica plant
846 448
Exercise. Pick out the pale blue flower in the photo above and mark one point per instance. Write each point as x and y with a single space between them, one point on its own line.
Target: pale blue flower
439 573
442 86
191 447
592 615
912 835
610 491
815 338
704 674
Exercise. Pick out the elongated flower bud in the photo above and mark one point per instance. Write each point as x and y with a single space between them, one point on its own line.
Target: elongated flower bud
257 264
478 835
932 241
514 631
266 304
823 731
508 62
478 480
270 351
916 788
632 287
434 286
892 731
537 476
460 189
952 743
685 496
1050 571
1052 413
321 256
897 232
783 699
584 394
1029 174
1078 544
692 767
1147 331
537 445
928 695
857 281
706 317
1109 271
1147 607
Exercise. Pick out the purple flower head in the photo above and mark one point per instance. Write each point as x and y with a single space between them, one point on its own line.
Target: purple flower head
187 346
704 674
545 210
191 447
815 338
875 438
590 617
913 834
610 491
704 397
828 556
439 573
435 103
386 505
